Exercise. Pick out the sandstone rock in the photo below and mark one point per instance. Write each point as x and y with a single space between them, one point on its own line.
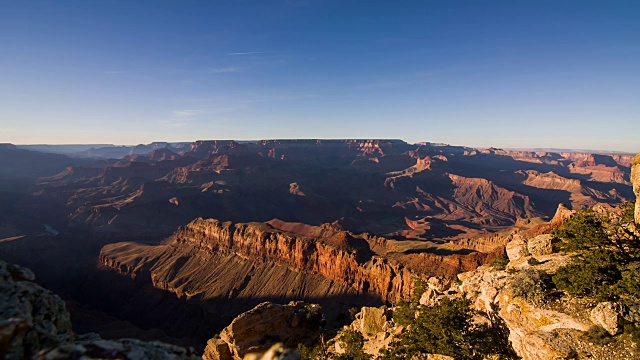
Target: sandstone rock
541 245
635 181
531 329
516 249
217 349
482 286
562 213
545 346
370 321
430 297
31 317
276 352
259 328
607 315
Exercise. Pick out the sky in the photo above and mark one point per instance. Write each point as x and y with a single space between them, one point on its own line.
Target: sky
510 74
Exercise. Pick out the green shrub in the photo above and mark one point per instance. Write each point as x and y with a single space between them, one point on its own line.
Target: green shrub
606 258
447 328
531 285
405 312
500 262
320 351
314 316
353 342
591 276
353 312
533 261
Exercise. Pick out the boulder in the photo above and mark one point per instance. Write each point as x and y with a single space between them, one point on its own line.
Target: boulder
533 330
371 321
607 315
217 349
35 324
276 352
541 245
516 249
261 327
31 317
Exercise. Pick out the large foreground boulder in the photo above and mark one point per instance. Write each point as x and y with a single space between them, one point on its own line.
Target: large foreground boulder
35 324
31 317
263 326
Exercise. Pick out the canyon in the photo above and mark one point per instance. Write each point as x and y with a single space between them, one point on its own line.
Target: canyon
171 241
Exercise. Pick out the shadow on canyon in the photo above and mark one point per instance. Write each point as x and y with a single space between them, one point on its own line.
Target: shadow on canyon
117 306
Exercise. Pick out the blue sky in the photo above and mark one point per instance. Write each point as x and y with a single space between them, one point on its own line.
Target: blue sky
478 73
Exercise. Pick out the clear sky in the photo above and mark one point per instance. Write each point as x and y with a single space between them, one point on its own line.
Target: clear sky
479 73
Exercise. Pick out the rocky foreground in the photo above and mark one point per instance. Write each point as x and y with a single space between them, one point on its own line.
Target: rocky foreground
563 327
35 324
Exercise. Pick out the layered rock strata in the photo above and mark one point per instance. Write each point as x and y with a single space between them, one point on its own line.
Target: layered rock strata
635 181
255 260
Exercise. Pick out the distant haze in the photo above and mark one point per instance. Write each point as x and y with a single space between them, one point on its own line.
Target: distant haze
508 74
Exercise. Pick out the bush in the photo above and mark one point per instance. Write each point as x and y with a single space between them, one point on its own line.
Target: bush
533 261
593 275
405 312
500 262
353 312
531 285
447 328
318 352
353 342
606 257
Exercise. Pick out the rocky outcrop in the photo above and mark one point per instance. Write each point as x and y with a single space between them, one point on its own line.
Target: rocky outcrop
31 317
261 327
516 249
276 352
635 181
341 263
541 245
537 330
35 323
376 326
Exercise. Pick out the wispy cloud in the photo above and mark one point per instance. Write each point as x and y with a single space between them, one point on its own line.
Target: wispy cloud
224 70
250 53
186 113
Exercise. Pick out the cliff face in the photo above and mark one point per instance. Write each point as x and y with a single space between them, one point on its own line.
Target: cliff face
258 261
635 180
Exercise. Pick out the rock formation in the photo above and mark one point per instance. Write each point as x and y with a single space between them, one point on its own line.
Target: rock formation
210 259
635 180
31 317
261 327
34 323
